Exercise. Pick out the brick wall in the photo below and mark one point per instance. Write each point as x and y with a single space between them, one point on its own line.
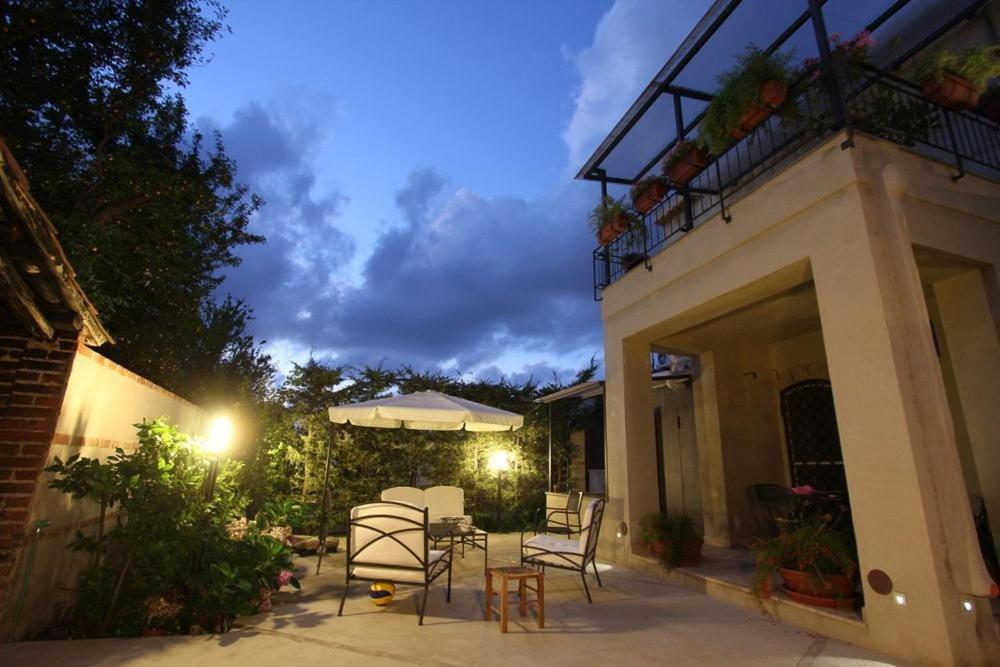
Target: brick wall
33 378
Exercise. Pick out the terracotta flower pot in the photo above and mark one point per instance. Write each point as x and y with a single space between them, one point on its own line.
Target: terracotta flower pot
772 95
689 166
835 590
612 230
658 547
953 92
650 198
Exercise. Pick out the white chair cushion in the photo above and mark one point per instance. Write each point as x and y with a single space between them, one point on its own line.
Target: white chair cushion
444 501
405 494
568 552
434 558
585 520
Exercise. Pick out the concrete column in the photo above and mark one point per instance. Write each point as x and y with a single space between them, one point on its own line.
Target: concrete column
631 447
904 476
970 336
711 465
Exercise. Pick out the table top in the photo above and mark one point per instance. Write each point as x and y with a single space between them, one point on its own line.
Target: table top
514 571
446 529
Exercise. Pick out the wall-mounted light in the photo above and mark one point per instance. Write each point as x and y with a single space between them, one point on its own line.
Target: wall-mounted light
899 598
622 530
968 604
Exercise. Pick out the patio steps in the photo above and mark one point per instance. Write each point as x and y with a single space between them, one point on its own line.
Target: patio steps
724 575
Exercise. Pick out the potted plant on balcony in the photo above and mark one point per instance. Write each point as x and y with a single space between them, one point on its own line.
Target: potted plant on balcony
955 80
611 218
748 94
815 565
685 161
648 192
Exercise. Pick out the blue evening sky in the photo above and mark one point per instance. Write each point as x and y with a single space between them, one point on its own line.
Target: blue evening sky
416 159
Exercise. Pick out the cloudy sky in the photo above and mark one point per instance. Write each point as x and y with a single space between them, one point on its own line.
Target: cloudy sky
416 159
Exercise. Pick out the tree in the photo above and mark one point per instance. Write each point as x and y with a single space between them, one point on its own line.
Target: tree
309 390
148 211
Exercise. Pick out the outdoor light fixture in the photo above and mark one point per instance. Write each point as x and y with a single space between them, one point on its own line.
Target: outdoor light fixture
968 605
499 461
899 598
220 433
622 530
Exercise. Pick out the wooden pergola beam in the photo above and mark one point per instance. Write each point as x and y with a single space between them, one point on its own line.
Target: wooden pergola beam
21 299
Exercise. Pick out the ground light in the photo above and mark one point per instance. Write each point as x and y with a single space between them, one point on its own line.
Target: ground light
220 434
499 462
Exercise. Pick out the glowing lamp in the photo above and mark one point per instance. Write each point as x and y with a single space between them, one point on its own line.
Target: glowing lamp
499 461
899 598
220 433
968 605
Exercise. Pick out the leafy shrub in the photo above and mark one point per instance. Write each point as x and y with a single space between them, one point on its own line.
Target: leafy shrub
170 542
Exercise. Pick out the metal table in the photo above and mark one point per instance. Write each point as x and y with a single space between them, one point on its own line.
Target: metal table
465 534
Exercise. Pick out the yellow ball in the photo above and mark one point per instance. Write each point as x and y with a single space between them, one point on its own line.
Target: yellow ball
382 592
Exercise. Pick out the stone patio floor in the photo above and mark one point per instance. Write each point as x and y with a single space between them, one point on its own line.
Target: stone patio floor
634 620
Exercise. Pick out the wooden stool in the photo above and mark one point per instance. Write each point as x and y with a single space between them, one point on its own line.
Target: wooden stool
521 575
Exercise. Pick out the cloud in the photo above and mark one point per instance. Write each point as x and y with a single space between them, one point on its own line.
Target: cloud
274 145
465 280
468 284
632 41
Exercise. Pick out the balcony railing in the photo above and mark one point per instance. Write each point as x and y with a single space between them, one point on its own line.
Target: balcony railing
873 101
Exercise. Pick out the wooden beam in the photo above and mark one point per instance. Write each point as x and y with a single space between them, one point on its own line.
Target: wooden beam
21 300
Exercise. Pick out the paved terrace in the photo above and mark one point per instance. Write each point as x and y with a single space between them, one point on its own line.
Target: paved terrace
634 620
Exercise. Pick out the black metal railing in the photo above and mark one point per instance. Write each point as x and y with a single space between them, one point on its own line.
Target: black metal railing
875 102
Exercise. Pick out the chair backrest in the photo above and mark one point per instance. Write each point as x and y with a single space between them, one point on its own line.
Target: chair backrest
773 503
444 501
405 494
590 526
574 501
388 534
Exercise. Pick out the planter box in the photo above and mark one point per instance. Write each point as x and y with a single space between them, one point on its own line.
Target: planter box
836 590
953 92
650 198
772 95
689 166
612 230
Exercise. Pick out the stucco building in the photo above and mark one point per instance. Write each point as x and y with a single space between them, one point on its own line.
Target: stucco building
837 283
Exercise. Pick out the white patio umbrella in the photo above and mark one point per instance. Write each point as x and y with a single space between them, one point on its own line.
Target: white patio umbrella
421 411
426 411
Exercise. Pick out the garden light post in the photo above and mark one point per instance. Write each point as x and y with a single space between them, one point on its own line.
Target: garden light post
220 434
499 462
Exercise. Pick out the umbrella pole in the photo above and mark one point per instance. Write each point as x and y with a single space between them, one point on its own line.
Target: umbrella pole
326 496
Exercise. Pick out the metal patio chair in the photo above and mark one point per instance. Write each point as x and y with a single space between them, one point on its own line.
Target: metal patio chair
565 552
390 541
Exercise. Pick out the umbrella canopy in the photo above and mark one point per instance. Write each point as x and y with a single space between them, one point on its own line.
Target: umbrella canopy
426 411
